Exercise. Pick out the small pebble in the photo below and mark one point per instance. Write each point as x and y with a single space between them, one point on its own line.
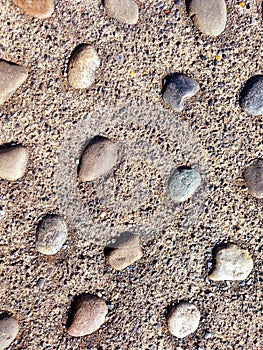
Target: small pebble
88 315
11 77
124 11
251 96
36 8
183 183
99 157
183 320
51 234
125 251
41 282
13 162
209 16
253 176
178 88
8 330
232 264
82 67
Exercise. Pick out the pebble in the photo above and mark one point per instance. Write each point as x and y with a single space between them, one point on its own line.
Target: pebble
125 252
82 67
88 315
209 16
8 330
36 8
13 162
253 176
183 183
251 97
178 88
124 11
183 319
51 234
99 157
11 77
232 264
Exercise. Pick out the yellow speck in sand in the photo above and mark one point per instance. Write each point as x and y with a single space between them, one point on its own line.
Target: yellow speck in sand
131 73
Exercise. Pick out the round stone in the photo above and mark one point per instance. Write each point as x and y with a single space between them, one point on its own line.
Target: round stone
13 162
82 67
8 330
253 176
231 264
36 8
52 233
183 320
251 97
124 11
88 314
183 183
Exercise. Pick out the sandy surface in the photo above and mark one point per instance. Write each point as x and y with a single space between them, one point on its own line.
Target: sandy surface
45 109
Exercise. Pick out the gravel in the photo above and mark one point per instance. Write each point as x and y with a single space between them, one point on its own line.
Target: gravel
13 162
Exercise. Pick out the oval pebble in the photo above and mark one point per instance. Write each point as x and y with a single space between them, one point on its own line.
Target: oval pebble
51 234
36 8
124 11
253 176
13 162
251 96
8 330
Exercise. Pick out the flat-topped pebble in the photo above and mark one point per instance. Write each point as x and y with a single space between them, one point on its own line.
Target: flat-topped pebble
183 183
36 8
125 251
82 67
13 162
52 233
99 157
178 88
231 264
183 320
88 314
253 176
8 330
125 11
251 97
12 76
209 16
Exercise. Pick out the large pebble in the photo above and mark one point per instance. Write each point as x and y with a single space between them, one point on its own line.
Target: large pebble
183 183
125 11
52 233
253 176
88 314
183 320
209 16
8 330
251 97
178 88
11 77
99 157
36 8
231 264
125 251
82 67
13 162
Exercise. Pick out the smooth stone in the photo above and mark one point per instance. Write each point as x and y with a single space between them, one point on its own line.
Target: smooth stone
99 157
13 162
82 67
251 96
253 176
8 330
36 8
209 16
183 319
183 183
125 251
124 11
52 233
88 314
231 264
12 76
178 88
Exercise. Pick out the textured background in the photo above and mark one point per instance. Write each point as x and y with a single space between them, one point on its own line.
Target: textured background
45 109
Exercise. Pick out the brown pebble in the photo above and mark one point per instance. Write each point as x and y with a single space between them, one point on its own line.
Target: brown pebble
36 8
13 162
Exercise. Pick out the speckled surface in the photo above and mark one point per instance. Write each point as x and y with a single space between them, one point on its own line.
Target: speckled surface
45 109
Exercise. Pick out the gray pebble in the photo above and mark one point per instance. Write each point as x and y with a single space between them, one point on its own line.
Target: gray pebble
177 88
183 183
13 162
251 96
41 282
51 234
253 176
125 11
8 330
